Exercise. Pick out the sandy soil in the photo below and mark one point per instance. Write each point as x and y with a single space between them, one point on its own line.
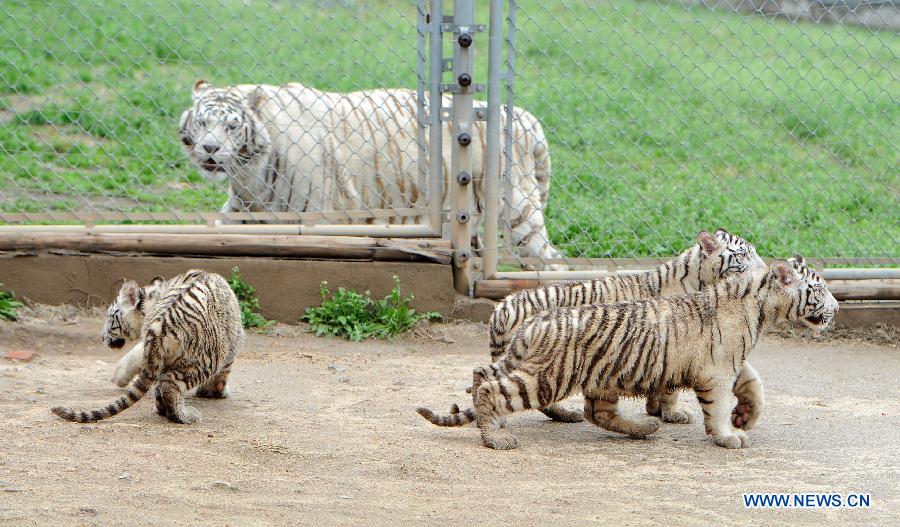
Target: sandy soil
323 432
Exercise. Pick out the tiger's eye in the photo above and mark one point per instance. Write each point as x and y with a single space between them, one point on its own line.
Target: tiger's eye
187 141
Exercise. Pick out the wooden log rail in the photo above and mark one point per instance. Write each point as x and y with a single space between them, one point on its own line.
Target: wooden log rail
287 246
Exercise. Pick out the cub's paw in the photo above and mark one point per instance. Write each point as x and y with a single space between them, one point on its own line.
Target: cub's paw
644 427
738 439
219 391
676 416
563 415
745 414
122 376
187 416
499 440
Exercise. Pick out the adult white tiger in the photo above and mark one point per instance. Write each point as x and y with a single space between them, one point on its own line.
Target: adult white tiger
293 148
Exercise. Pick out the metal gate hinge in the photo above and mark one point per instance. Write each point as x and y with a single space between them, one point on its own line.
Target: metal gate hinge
450 27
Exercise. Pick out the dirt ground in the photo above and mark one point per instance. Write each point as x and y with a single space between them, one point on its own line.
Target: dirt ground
324 432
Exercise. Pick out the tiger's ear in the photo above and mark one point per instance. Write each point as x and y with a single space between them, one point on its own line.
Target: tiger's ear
157 280
708 244
797 260
256 99
129 293
200 87
784 274
720 230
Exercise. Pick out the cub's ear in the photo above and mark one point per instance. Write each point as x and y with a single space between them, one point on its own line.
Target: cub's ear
256 99
200 87
797 260
157 280
708 244
784 274
129 293
720 230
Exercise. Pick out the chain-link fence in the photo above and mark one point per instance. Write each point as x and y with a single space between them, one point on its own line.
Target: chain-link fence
779 121
102 117
776 120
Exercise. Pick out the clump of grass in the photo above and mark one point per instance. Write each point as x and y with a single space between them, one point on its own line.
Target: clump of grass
357 316
245 293
9 305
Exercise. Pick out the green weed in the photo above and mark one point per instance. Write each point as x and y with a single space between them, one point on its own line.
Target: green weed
357 316
9 305
245 293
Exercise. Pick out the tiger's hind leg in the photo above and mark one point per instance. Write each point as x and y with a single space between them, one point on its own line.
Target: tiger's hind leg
481 375
496 398
171 387
665 406
603 411
217 387
562 415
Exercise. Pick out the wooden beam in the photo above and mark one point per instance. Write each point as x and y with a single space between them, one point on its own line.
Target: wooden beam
279 246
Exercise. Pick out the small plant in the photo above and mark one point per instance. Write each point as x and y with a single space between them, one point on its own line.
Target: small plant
9 305
245 293
357 316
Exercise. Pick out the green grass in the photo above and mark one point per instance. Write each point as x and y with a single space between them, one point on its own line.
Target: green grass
662 120
357 316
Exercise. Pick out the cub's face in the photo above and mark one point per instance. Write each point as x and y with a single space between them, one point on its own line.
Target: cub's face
125 316
220 132
724 253
812 304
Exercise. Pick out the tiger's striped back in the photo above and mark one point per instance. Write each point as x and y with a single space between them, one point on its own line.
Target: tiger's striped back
713 257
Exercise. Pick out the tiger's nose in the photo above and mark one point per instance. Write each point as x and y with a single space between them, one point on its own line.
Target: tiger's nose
211 149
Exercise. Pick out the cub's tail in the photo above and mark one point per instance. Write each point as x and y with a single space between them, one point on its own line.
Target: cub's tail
137 389
456 418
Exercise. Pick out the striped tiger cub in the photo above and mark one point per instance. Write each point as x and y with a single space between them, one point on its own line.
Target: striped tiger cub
713 257
698 341
191 331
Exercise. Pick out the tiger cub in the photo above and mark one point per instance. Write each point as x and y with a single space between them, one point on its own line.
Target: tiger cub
698 341
191 331
713 257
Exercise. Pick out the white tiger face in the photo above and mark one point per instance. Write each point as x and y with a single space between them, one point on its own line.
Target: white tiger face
221 131
724 253
125 316
811 302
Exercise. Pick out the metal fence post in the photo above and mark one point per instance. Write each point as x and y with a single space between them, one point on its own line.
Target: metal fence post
435 126
461 111
492 156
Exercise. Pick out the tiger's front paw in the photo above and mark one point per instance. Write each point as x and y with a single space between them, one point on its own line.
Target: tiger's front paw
737 439
676 416
642 427
121 377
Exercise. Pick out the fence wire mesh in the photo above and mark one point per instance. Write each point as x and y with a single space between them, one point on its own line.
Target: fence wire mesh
775 119
92 93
